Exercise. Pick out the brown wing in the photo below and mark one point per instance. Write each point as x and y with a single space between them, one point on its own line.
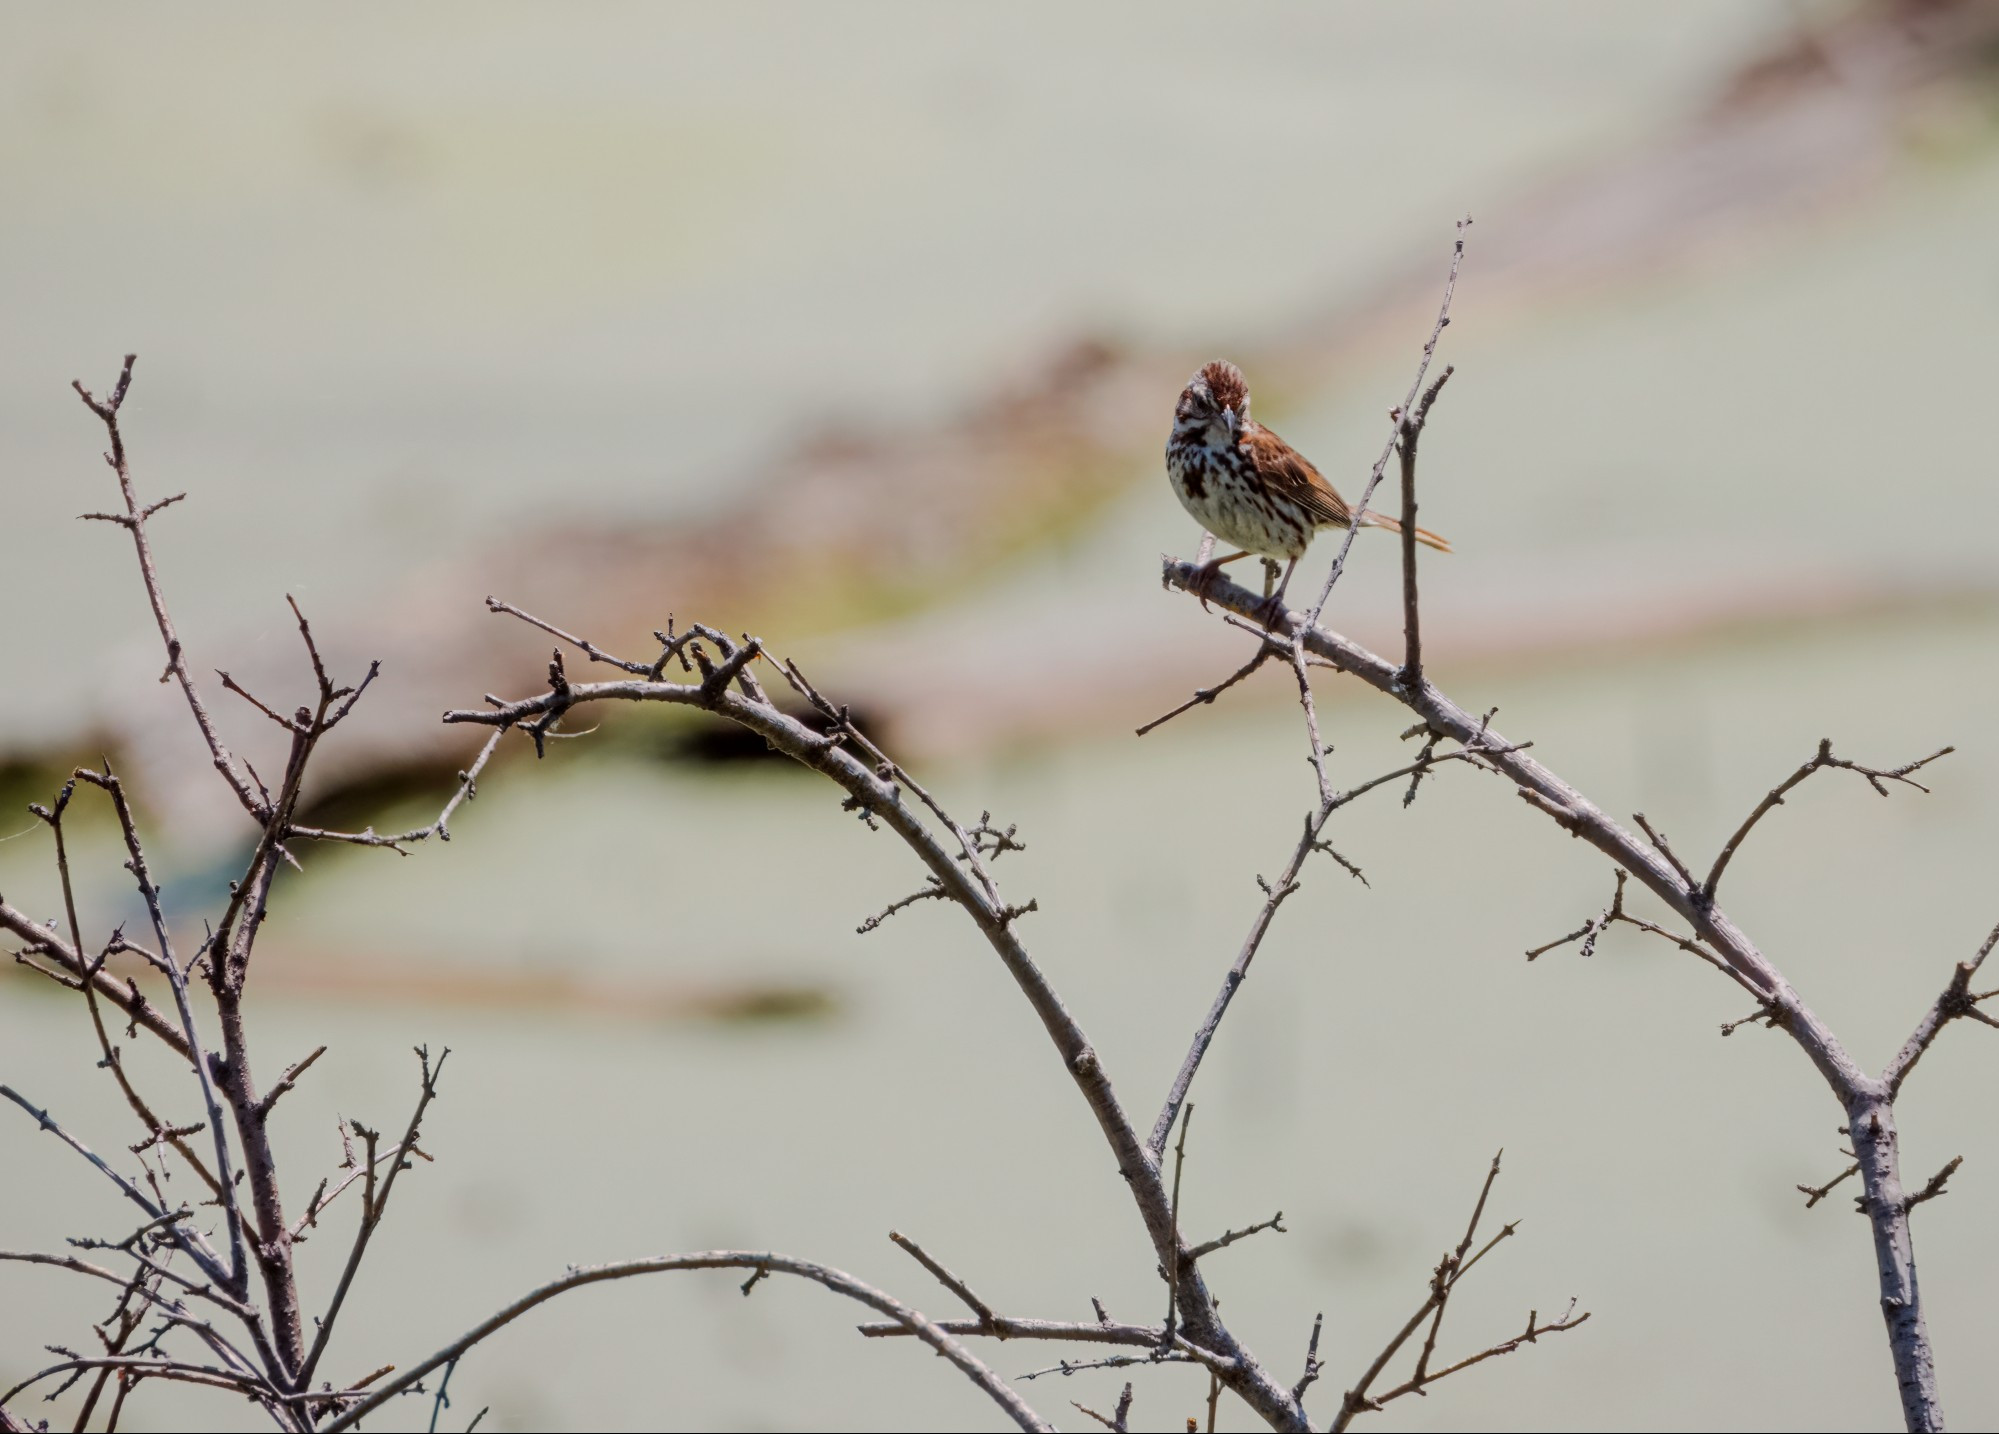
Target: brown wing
1291 477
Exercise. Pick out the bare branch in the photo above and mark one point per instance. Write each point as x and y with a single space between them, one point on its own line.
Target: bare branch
1398 417
1956 1002
172 1221
1275 1222
1005 1327
1815 1193
1174 1266
836 1280
1935 1186
1067 1367
1313 1367
1274 896
176 975
1775 798
950 1281
1205 695
231 684
934 891
587 648
286 1082
134 523
1531 1335
466 790
1866 1100
1117 1420
373 1206
1658 840
112 1058
875 785
1615 914
1412 631
1454 1266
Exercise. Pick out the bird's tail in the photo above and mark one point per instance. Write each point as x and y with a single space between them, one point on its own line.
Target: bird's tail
1423 535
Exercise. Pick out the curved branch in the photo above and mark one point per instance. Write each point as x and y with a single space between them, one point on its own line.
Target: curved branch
764 1261
877 792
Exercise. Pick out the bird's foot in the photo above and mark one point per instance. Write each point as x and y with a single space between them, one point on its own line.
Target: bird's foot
1199 581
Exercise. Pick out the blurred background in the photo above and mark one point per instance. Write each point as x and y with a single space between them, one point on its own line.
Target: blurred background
860 327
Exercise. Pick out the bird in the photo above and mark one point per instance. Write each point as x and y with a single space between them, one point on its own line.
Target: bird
1247 486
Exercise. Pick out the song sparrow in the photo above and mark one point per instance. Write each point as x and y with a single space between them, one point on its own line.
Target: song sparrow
1249 487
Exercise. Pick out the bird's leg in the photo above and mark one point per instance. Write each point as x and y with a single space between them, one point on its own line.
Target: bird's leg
1206 573
1273 603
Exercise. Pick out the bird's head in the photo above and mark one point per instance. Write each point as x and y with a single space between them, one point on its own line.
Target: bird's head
1214 405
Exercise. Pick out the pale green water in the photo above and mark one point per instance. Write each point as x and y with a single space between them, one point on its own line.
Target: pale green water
406 285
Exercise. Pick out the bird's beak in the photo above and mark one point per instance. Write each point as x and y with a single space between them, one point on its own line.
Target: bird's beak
1231 422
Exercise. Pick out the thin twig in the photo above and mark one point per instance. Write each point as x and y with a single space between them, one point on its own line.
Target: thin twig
1815 1193
1397 420
1935 1186
1412 631
374 1205
1312 1365
1775 798
1118 1419
1275 1222
1205 695
1954 1003
135 523
944 1277
1173 1266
